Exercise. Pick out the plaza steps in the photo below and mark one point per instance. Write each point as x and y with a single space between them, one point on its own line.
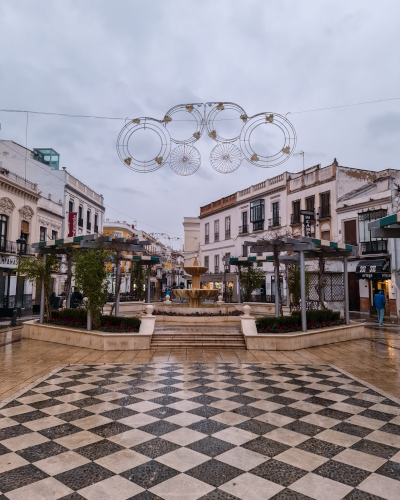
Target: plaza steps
198 336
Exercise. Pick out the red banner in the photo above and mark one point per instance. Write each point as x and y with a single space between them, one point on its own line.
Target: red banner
73 223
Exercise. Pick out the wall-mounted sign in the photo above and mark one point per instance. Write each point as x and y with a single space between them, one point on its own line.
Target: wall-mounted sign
373 270
73 224
9 262
307 221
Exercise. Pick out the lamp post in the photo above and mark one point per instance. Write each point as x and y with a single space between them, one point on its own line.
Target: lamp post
20 241
226 269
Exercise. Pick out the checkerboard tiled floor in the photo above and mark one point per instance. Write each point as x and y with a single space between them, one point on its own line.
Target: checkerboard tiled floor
217 431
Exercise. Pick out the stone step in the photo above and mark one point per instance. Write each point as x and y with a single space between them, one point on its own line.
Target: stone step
195 328
218 345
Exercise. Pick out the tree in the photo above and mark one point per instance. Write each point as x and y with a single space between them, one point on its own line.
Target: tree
138 280
91 278
35 270
294 283
251 279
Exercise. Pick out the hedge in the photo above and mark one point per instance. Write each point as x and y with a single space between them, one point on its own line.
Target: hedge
77 318
283 324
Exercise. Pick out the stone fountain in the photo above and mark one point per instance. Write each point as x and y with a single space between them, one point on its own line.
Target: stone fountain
195 294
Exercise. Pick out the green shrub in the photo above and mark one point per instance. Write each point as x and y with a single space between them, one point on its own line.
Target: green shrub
283 324
77 318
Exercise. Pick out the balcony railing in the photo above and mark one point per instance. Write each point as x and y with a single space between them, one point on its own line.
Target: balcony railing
227 234
274 222
88 226
27 250
243 229
206 238
216 236
80 222
295 219
371 247
8 246
258 226
324 211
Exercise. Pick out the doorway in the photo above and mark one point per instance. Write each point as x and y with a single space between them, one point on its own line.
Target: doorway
354 293
374 287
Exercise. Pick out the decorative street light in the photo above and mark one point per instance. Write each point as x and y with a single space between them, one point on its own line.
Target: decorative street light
21 242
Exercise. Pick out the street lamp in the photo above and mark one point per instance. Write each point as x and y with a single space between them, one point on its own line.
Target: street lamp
226 269
20 242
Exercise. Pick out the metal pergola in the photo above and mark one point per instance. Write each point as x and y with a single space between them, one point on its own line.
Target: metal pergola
302 248
63 246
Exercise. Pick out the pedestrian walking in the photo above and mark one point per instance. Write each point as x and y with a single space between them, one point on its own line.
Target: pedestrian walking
379 303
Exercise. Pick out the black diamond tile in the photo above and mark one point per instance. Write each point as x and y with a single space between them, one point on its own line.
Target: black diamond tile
206 411
214 472
278 472
330 383
288 494
210 446
307 390
218 495
47 403
354 430
256 426
110 429
132 390
360 495
238 389
167 381
165 400
83 403
119 413
281 400
343 392
338 415
343 473
13 431
390 469
371 392
266 447
163 412
43 384
358 402
389 402
271 389
58 393
145 495
103 383
59 431
72 496
41 451
26 395
377 415
84 476
95 392
322 448
28 417
208 426
390 428
248 411
242 399
155 447
4 450
126 401
98 450
159 428
304 428
149 474
69 416
168 389
320 401
66 385
291 412
373 448
204 399
19 477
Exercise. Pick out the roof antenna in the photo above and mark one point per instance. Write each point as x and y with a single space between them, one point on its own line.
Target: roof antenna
300 153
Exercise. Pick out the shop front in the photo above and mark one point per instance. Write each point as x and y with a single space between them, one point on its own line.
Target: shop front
226 283
377 276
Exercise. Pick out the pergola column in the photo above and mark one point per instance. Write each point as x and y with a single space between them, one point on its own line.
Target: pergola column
41 319
346 292
239 294
117 273
148 284
276 289
303 292
69 280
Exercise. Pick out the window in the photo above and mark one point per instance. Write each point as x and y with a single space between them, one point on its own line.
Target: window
24 234
243 229
96 223
42 233
88 220
276 220
244 250
326 235
216 263
206 261
207 233
54 235
3 232
228 266
296 212
310 203
350 232
71 206
257 211
216 230
227 228
324 210
118 234
80 216
371 245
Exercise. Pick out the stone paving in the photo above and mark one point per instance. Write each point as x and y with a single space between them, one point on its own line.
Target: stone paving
200 431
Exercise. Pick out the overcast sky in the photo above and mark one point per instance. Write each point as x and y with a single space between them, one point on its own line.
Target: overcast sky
132 58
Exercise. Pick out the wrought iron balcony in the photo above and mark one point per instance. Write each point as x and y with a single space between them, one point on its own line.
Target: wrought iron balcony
374 247
274 222
324 212
258 226
243 229
27 250
8 246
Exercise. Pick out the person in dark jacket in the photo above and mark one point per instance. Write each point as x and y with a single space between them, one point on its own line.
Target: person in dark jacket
379 303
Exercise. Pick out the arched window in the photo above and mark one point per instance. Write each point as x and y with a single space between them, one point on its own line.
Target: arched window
3 232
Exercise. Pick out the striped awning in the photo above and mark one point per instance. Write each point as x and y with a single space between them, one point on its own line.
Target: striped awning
388 220
331 244
63 241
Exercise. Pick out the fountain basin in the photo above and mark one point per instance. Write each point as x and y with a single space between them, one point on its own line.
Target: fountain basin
195 295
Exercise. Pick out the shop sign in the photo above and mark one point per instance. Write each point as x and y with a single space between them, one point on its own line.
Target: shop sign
8 262
73 224
373 270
